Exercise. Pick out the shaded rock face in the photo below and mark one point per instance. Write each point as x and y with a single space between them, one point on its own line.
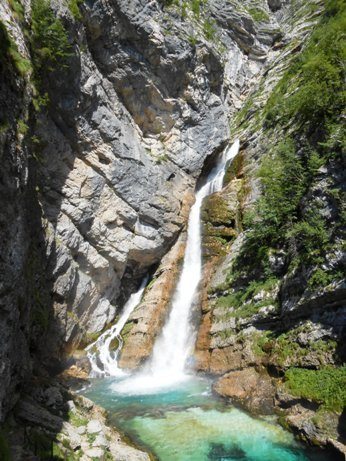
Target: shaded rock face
51 420
146 96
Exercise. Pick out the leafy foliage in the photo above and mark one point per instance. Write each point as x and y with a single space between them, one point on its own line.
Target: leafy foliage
326 386
49 40
312 90
308 103
74 8
17 9
242 300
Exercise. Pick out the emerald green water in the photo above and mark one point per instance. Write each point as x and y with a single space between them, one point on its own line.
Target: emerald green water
188 423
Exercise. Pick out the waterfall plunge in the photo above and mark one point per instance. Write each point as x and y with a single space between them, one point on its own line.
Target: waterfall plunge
173 347
102 360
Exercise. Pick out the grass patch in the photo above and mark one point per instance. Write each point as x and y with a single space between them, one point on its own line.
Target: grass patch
242 302
209 29
9 52
258 14
326 386
76 419
312 90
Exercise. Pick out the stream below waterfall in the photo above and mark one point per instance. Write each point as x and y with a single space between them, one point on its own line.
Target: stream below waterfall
188 423
164 408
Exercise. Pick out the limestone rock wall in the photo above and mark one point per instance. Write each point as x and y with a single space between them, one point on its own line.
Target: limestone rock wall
95 184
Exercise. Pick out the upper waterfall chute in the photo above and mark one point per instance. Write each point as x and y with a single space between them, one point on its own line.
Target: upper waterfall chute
175 344
103 360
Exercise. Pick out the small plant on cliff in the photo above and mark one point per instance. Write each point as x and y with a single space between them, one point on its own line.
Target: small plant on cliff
258 14
9 52
17 9
74 8
49 40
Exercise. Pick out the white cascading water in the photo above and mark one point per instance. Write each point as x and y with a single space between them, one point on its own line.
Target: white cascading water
103 361
173 347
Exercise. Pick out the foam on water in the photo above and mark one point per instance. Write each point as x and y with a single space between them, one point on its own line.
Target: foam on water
104 362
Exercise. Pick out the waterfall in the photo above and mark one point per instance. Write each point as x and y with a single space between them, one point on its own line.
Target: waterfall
174 346
103 361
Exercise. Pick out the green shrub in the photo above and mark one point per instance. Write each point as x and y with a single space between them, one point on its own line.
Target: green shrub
74 8
326 386
322 278
17 9
312 90
241 299
77 419
49 40
22 127
310 236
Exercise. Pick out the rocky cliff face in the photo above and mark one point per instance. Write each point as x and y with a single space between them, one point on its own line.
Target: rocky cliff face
273 312
104 131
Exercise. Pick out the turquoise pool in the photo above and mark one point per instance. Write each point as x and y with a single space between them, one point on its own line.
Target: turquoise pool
189 423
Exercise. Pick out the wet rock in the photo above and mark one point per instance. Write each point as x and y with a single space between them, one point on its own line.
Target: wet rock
249 388
146 321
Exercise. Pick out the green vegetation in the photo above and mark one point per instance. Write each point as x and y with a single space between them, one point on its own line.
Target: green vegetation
258 14
125 332
161 159
77 419
312 90
9 52
286 351
49 40
91 438
322 278
17 9
309 99
74 8
114 344
242 301
326 386
22 127
209 29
